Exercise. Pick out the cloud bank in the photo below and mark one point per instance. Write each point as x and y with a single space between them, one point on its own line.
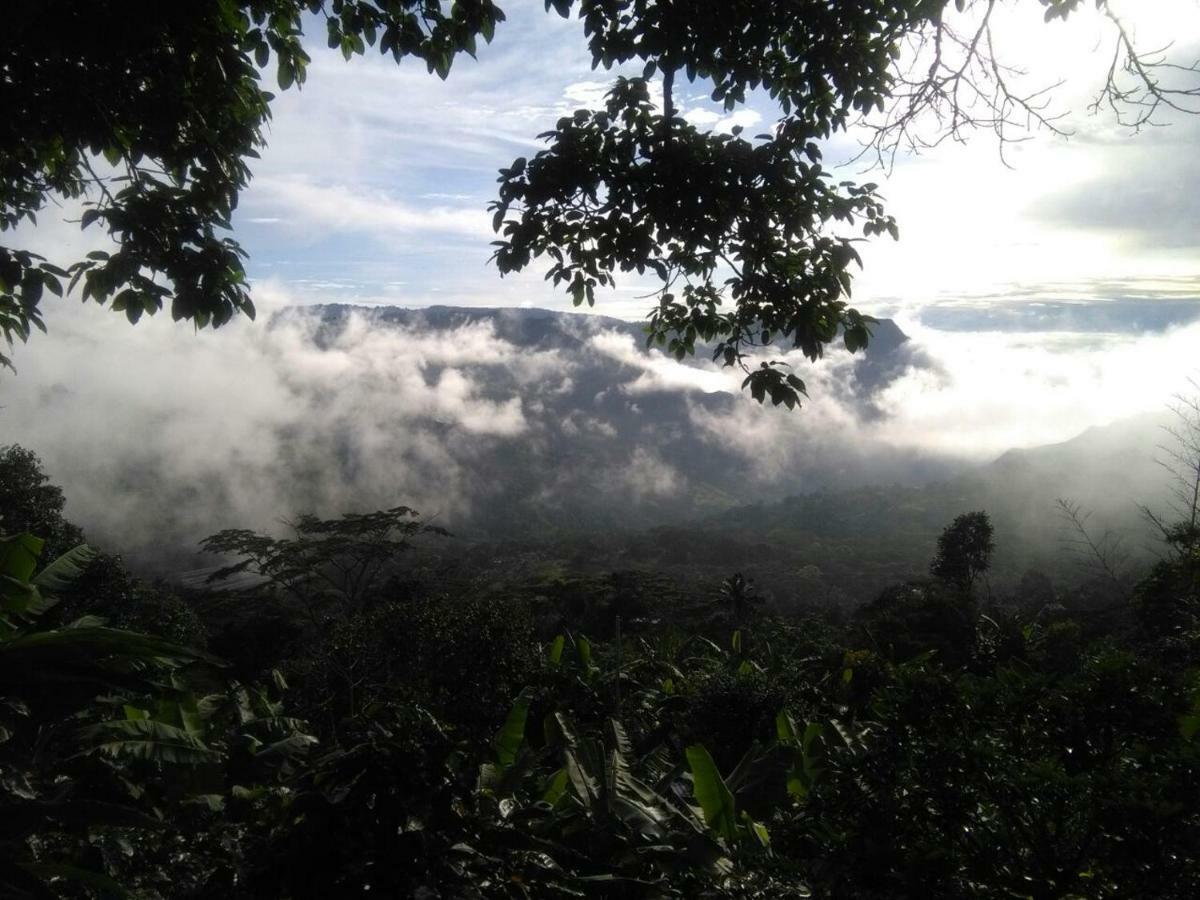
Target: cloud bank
516 421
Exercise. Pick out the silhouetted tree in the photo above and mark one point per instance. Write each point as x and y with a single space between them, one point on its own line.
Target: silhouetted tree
327 563
964 551
738 594
29 502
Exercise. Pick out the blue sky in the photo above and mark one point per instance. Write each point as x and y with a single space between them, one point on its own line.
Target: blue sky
376 180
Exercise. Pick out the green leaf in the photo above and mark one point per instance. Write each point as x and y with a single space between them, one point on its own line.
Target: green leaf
150 740
65 571
711 792
512 734
556 648
585 786
1189 725
556 786
758 829
785 730
19 555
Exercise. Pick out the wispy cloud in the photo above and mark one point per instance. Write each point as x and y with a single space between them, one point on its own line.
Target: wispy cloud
352 209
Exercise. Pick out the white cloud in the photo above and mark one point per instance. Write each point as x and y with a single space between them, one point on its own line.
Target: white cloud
743 118
587 94
996 391
647 474
659 372
310 206
700 117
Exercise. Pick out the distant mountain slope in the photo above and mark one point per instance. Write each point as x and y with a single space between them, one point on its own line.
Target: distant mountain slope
616 435
530 424
857 541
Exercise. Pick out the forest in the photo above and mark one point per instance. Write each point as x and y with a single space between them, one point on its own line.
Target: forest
790 679
338 713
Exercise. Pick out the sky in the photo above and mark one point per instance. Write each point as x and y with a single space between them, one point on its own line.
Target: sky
375 183
1047 292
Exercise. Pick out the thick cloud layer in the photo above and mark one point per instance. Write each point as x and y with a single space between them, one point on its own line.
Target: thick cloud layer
517 421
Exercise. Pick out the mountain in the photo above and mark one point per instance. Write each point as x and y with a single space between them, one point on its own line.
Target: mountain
516 424
613 434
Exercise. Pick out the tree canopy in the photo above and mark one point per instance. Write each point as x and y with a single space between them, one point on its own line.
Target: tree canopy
542 732
150 116
964 550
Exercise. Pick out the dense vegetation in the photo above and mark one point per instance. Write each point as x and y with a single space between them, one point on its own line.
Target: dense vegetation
330 717
333 717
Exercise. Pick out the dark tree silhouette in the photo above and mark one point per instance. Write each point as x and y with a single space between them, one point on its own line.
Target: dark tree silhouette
29 502
737 595
964 550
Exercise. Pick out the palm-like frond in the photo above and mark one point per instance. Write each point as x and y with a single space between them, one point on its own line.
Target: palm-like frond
148 739
65 571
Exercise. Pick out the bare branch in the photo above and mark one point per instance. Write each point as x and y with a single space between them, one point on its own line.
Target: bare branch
949 81
1149 89
1179 456
1104 554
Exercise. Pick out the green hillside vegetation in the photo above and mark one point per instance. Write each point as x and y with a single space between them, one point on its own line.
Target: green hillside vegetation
860 693
364 708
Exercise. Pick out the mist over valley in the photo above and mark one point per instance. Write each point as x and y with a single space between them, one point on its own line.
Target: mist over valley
528 425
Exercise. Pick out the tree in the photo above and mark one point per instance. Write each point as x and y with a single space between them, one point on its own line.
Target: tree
1180 458
753 240
29 502
108 751
338 560
149 115
1168 600
737 595
964 551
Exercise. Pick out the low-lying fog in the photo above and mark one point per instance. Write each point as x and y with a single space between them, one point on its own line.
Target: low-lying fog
160 435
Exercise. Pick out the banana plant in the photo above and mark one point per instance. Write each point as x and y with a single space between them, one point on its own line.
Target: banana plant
49 679
89 718
717 802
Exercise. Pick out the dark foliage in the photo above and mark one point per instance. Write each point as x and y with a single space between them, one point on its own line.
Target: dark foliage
463 740
151 115
964 551
29 502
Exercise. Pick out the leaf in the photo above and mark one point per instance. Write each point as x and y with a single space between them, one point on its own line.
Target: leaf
106 885
758 829
289 747
148 739
65 571
1189 725
556 787
19 555
512 734
585 786
711 792
556 648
